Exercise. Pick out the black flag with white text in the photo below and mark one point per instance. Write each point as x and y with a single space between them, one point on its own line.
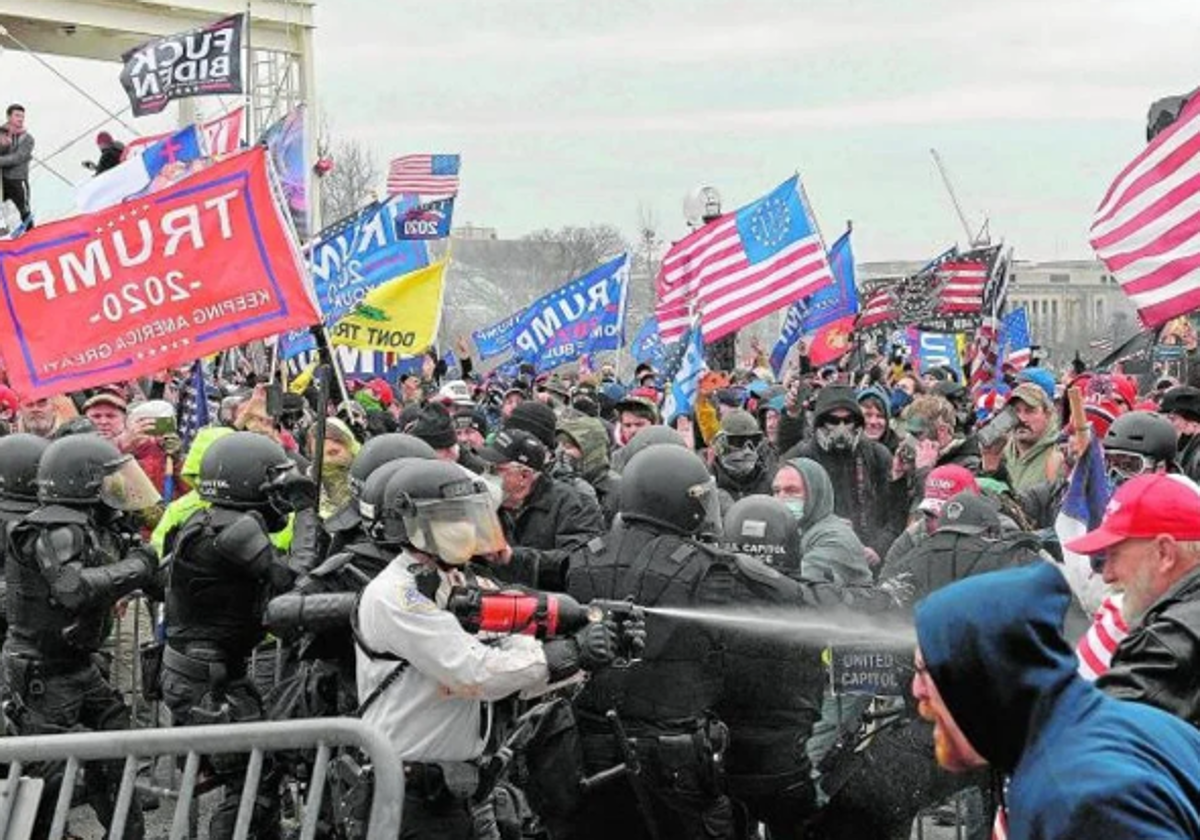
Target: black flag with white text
200 62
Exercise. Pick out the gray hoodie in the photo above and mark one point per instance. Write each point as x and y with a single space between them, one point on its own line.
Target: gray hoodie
14 166
829 548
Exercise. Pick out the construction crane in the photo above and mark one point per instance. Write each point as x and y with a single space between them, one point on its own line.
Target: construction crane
981 239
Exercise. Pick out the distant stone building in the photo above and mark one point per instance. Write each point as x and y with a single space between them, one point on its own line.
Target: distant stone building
474 232
1070 303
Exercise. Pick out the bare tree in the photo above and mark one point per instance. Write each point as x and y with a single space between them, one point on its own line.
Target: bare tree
352 181
560 255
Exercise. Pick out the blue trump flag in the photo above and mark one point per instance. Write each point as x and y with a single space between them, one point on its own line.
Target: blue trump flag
353 256
498 338
584 316
685 383
647 345
838 300
938 350
430 220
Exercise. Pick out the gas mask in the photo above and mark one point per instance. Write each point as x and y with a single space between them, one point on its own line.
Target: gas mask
838 437
739 463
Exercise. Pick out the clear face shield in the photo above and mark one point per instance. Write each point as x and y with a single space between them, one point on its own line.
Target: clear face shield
457 529
705 495
126 487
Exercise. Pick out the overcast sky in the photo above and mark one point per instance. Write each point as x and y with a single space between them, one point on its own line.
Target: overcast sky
568 112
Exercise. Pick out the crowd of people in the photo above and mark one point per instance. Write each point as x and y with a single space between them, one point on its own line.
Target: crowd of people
417 559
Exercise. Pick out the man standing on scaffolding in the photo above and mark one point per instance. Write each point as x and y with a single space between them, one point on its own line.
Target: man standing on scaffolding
14 163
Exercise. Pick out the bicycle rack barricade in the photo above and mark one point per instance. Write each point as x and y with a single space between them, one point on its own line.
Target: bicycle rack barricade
192 742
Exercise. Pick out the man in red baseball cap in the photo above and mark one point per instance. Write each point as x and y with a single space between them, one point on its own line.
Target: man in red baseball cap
1148 548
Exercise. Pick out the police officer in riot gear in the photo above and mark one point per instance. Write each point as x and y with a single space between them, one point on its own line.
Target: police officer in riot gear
319 607
222 571
763 527
19 457
67 564
426 682
658 554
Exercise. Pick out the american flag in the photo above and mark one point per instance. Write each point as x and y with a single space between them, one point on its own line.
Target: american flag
984 353
742 266
1147 228
1101 344
193 405
961 284
423 174
983 357
879 308
1018 347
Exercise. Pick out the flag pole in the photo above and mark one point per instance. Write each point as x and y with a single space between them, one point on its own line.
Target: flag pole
808 209
326 356
249 75
623 304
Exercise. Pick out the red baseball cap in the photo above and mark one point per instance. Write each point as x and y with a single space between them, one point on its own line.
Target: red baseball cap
944 482
1144 507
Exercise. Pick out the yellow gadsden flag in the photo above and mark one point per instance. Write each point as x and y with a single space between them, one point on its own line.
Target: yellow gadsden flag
400 316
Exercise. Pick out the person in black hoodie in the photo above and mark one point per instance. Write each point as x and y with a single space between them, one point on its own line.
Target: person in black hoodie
859 468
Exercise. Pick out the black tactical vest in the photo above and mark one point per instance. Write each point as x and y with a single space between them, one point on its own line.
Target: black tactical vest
680 673
39 627
210 598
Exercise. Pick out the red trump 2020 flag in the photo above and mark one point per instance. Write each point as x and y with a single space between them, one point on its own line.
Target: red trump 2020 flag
152 283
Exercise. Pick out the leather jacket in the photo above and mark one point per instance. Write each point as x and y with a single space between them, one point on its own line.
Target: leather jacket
1155 663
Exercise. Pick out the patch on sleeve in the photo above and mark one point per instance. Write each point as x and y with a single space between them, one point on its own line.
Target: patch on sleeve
412 600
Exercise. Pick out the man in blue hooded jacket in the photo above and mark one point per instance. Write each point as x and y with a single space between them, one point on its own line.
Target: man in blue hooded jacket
998 680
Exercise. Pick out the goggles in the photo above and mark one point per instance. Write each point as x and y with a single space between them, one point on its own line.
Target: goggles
1128 464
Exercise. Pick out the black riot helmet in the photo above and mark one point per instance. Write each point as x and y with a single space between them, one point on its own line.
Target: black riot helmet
441 509
88 469
646 437
378 451
248 471
1139 442
19 456
762 526
669 487
652 436
370 498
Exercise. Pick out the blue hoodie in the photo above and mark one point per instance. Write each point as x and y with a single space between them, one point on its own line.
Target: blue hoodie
1083 765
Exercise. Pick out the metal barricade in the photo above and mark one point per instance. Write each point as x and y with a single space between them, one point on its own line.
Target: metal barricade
254 738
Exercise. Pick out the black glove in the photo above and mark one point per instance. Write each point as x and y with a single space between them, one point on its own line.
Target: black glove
632 636
590 649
